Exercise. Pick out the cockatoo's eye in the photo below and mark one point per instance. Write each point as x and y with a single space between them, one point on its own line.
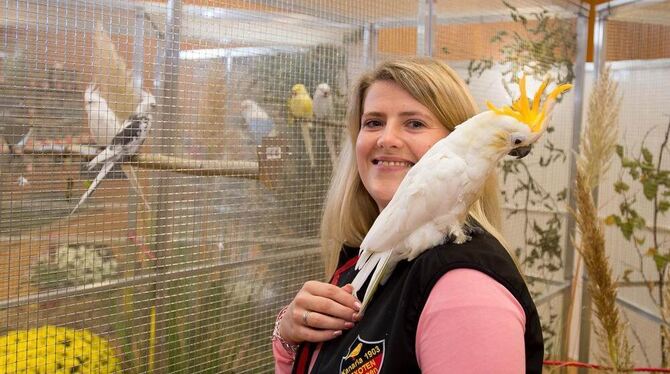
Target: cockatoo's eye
518 139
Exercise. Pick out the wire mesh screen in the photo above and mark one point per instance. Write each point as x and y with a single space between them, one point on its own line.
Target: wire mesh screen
636 49
206 221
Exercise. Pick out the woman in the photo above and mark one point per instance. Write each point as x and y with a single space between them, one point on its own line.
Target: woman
456 308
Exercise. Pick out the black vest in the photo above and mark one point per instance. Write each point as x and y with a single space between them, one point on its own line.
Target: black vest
385 338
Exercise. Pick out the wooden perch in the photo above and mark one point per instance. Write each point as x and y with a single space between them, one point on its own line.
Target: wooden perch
271 156
156 161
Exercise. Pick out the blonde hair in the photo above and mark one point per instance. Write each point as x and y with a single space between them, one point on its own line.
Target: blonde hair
349 209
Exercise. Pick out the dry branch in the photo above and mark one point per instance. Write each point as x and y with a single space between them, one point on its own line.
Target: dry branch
596 147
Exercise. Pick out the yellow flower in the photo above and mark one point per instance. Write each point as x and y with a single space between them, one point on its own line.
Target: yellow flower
52 349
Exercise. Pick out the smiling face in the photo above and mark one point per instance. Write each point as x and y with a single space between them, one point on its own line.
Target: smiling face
396 130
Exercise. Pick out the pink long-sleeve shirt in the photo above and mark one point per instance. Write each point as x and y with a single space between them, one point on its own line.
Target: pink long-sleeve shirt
470 324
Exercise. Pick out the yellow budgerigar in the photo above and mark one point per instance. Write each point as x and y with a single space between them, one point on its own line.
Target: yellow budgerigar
300 112
431 203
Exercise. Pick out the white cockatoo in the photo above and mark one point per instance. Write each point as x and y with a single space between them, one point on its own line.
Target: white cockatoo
123 146
431 204
324 113
258 122
301 112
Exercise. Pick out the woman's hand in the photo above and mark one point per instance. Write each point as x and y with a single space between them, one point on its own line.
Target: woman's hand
319 312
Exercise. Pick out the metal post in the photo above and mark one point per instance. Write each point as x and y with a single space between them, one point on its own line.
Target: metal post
138 80
370 34
168 109
425 29
599 39
578 104
586 310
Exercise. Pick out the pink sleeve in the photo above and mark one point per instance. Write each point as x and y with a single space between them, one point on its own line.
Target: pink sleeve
283 361
470 324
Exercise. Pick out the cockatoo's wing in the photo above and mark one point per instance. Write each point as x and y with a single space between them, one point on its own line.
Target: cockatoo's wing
407 225
416 203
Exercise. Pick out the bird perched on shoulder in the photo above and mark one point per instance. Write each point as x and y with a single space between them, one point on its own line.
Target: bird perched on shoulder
123 146
257 120
300 112
324 113
432 202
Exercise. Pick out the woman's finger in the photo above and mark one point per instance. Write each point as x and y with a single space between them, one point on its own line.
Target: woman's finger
321 321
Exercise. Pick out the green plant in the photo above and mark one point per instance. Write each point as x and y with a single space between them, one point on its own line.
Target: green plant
645 174
544 45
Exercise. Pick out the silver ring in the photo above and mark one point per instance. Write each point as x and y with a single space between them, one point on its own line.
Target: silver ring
305 315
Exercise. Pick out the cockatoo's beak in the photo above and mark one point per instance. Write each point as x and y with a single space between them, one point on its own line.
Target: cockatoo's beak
520 152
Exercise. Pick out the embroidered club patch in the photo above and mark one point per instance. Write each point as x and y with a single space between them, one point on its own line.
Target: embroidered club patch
363 357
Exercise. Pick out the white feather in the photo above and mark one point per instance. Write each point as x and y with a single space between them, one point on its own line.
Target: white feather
102 121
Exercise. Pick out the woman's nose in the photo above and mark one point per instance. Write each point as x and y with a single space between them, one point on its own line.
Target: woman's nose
390 137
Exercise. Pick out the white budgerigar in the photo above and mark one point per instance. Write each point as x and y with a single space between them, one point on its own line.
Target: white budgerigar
324 113
431 204
257 121
123 146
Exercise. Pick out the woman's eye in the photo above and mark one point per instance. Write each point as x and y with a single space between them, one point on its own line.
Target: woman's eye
372 123
416 124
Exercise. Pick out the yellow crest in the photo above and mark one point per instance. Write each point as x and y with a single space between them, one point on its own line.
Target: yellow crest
522 110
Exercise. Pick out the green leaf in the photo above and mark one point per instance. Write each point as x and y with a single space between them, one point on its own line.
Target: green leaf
650 188
626 229
619 150
661 261
621 186
639 239
626 275
663 206
646 154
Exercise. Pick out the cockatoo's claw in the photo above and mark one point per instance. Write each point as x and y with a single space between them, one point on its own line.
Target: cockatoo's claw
460 238
473 230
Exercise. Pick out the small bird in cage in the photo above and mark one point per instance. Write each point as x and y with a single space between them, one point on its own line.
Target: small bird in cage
324 113
102 121
17 137
300 112
257 121
123 146
105 125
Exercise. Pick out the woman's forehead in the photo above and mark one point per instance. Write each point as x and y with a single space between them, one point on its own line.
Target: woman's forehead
383 96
